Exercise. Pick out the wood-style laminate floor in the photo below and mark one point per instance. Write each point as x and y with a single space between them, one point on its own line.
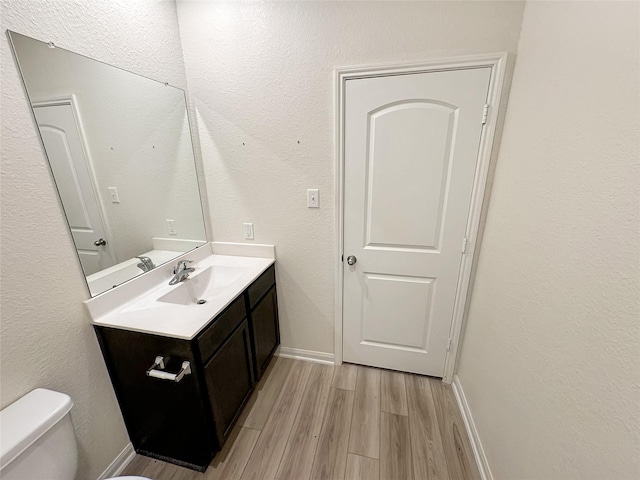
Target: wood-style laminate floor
307 421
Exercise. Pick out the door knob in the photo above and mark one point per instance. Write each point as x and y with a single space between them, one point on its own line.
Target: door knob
351 260
101 242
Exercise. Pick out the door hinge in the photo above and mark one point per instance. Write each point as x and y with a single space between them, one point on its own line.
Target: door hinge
485 113
465 241
449 344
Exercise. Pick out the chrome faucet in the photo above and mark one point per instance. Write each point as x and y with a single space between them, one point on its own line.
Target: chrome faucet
146 264
181 271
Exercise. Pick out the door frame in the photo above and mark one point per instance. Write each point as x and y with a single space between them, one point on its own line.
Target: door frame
73 103
497 62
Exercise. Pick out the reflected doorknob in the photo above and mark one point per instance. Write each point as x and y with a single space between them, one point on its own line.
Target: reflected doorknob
351 260
101 242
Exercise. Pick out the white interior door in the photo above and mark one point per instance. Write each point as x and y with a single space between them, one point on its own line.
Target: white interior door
63 144
411 146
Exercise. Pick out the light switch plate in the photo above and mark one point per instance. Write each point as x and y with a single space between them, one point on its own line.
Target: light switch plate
113 194
313 198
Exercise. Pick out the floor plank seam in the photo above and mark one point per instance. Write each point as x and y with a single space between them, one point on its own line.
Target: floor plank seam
251 452
351 416
353 406
295 418
324 417
343 389
364 456
325 422
295 414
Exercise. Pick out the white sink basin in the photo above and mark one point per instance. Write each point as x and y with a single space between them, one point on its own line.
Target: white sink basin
204 285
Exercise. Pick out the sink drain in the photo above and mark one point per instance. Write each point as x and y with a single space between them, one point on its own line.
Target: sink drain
200 302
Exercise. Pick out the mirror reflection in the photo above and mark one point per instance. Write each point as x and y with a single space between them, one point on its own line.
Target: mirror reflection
120 151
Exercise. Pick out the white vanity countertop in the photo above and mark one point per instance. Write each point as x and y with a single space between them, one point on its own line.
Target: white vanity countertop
147 315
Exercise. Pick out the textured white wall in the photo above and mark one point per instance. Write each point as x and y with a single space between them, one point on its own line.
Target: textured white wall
46 339
550 361
260 77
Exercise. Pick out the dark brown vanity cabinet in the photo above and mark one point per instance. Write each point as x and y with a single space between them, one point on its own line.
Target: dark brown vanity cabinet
187 421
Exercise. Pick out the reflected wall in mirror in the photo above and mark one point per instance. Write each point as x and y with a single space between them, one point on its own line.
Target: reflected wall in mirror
119 148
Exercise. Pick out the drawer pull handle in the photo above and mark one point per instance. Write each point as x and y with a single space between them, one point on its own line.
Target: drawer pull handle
162 375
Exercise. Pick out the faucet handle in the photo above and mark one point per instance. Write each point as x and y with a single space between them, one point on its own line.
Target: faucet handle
182 264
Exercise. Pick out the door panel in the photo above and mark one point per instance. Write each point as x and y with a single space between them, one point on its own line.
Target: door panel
405 299
411 146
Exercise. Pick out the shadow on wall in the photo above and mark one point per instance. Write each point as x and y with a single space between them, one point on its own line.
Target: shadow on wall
243 190
296 300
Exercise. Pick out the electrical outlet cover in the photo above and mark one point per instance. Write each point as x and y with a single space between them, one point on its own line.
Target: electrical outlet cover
248 231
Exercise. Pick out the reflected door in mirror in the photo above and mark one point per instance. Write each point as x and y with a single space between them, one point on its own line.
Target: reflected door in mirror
67 155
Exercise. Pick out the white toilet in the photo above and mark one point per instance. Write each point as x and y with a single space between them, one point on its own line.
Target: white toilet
37 440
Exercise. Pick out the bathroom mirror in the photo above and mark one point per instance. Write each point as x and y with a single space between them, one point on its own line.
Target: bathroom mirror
119 148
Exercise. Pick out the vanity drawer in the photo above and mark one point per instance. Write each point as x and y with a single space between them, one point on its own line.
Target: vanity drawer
225 323
261 286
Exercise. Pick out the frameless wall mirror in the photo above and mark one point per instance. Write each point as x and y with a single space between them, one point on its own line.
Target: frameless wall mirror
120 151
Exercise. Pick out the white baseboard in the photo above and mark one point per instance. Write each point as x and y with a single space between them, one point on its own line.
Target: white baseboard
307 355
472 432
116 467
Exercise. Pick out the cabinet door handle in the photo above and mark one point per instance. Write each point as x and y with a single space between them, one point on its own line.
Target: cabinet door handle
162 375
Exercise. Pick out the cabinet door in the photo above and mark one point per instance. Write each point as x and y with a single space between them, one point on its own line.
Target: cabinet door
164 419
266 332
229 378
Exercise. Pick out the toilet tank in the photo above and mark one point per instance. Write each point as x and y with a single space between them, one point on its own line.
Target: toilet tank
37 439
